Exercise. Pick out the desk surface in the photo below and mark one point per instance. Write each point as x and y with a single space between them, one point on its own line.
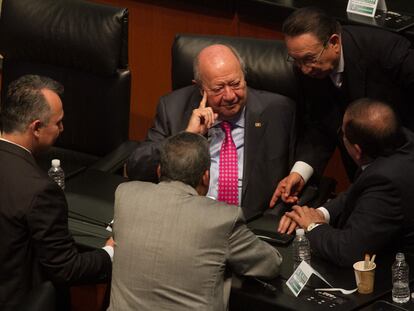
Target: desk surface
91 194
251 294
90 197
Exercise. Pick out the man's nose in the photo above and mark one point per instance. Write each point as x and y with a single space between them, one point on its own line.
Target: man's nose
228 93
306 69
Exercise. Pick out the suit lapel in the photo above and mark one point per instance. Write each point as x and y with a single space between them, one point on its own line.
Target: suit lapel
193 103
255 127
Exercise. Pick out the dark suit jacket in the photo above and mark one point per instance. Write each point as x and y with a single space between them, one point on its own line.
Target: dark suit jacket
268 147
35 241
378 64
375 215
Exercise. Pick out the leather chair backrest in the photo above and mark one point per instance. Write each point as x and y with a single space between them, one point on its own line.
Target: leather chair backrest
84 46
265 60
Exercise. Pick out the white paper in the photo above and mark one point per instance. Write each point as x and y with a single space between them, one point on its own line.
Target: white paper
301 276
363 7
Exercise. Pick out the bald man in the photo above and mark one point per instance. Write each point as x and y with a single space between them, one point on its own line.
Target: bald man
375 214
261 126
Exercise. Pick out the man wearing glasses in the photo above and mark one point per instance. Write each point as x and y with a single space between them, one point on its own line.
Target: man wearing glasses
251 133
336 65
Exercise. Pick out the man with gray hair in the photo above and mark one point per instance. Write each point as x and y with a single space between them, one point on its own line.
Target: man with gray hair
251 132
36 244
174 245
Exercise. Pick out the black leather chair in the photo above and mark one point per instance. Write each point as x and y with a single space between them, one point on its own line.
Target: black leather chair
84 46
267 69
266 65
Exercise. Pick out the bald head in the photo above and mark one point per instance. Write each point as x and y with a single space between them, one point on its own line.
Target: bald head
374 126
219 73
217 56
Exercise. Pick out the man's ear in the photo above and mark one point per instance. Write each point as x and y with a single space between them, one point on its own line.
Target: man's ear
358 153
35 126
159 171
205 179
335 41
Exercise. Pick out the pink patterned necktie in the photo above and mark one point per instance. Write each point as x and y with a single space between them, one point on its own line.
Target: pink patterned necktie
228 168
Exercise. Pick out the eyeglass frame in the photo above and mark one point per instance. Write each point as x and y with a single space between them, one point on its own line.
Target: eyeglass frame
309 62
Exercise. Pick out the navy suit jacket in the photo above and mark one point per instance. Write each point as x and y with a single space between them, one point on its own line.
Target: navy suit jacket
268 147
36 244
378 64
374 215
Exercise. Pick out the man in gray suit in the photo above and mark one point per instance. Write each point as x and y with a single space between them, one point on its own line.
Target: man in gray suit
174 245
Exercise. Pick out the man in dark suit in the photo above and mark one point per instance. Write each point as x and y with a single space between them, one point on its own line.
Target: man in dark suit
336 65
262 128
375 214
36 244
174 244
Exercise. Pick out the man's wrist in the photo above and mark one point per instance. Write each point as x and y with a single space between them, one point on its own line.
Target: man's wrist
303 169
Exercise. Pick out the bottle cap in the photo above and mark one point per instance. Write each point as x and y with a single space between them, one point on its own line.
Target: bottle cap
400 256
300 231
55 162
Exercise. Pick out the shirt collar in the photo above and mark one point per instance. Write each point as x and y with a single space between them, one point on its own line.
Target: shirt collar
238 121
336 74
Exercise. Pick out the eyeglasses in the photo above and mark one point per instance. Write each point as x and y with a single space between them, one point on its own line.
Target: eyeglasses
307 60
219 90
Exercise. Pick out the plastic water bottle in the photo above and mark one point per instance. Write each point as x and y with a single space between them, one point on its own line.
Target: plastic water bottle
57 174
301 248
400 279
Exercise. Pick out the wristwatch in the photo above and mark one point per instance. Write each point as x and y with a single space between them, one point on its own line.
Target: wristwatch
312 226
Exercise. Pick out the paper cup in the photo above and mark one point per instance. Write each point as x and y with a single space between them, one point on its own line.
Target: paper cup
364 278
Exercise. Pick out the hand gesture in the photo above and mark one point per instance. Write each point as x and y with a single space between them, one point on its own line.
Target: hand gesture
202 118
288 189
286 225
304 216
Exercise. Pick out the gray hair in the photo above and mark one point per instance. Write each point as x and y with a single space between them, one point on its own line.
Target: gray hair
196 63
25 102
184 157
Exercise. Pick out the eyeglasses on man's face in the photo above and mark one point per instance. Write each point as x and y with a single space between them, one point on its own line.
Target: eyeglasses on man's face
220 89
308 60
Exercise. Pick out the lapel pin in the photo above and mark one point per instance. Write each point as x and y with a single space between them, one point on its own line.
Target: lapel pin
257 124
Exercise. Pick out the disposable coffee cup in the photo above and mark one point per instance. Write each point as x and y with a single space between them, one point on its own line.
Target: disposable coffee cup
364 277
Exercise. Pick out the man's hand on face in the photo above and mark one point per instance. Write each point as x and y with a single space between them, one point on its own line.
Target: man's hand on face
288 189
304 216
202 118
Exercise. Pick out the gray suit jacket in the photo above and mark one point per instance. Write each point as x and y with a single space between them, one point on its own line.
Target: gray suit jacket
174 247
269 142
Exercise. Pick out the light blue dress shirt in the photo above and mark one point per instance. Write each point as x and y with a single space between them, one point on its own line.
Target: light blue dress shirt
216 136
